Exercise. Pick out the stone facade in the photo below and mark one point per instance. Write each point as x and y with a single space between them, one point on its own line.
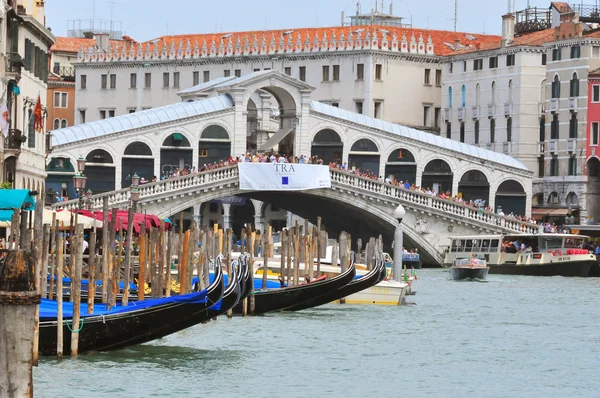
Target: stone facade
25 42
356 68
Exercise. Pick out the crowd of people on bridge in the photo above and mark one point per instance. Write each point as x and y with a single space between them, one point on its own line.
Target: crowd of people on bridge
271 157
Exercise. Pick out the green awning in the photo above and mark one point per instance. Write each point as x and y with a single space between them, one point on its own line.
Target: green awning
177 137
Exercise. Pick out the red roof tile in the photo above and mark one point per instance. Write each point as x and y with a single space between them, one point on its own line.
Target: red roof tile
534 39
439 37
73 44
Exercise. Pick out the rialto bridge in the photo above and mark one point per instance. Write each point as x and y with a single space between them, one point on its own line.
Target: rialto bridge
267 111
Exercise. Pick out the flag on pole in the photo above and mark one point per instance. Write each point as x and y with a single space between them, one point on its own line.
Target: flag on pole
37 116
4 119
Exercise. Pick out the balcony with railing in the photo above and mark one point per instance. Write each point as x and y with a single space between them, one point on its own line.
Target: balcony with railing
491 110
461 113
532 19
65 72
588 13
508 108
571 145
14 139
475 112
573 103
554 104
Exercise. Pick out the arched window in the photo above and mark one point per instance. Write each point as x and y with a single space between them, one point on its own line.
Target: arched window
63 123
462 131
493 93
543 91
56 124
509 129
477 94
214 132
510 91
556 87
364 145
463 96
492 130
476 131
450 97
574 87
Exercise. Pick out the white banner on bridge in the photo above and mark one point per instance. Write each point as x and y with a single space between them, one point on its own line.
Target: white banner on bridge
283 176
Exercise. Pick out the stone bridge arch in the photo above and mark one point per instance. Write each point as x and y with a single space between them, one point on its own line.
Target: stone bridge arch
333 207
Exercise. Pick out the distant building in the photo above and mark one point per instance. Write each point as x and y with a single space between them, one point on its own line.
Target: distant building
24 45
368 69
525 96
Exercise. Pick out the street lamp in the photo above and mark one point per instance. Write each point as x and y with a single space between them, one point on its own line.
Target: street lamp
399 214
134 190
79 180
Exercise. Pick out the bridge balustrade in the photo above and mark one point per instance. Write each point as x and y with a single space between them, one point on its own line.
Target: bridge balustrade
229 174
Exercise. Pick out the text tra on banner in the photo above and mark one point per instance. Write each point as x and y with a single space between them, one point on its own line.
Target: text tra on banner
283 176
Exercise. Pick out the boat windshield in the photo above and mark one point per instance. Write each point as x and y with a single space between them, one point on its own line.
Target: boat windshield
574 243
550 243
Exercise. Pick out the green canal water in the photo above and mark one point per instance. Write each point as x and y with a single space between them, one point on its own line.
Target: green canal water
512 336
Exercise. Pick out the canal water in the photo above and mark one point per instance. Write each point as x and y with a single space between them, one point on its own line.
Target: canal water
512 336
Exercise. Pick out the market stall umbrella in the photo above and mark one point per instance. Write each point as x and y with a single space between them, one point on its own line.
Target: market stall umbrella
64 218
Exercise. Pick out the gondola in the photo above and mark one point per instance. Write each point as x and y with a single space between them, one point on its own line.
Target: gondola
115 331
280 299
376 275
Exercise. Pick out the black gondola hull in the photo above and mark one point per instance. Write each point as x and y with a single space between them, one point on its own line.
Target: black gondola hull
111 332
281 299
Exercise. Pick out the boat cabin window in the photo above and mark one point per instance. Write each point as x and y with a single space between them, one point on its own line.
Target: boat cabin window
469 245
494 245
520 244
550 243
476 245
574 243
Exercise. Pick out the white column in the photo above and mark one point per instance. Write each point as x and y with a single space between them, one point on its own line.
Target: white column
198 214
259 220
302 144
118 172
239 138
226 216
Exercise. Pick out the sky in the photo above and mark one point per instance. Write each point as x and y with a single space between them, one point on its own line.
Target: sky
147 19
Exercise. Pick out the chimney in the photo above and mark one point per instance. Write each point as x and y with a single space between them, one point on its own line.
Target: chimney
456 44
508 29
101 40
391 8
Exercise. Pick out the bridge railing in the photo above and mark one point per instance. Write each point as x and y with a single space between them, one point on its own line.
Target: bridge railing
211 177
419 198
154 189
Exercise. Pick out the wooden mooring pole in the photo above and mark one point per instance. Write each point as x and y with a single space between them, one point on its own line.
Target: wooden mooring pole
18 302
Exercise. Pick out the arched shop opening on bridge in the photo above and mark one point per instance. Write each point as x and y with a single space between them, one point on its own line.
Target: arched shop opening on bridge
364 155
271 121
401 166
327 145
438 176
474 186
511 198
214 145
175 154
100 171
137 159
56 181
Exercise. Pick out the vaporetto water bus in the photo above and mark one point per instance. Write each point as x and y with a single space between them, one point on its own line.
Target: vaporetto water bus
526 254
